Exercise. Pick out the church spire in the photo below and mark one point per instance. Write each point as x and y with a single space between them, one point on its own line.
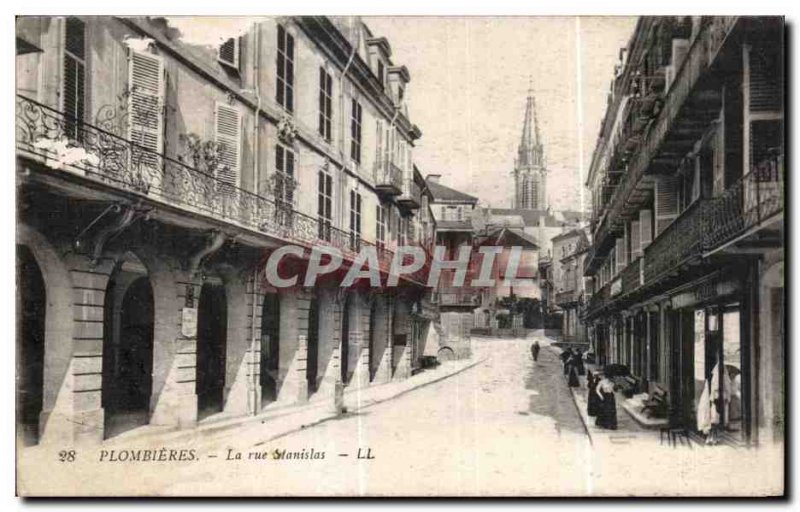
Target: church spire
530 147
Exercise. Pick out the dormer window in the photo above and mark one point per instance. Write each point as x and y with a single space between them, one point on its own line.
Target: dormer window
228 53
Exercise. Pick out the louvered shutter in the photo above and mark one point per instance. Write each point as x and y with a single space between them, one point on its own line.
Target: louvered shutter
228 53
666 202
645 228
766 88
146 112
378 148
636 239
228 130
620 254
74 80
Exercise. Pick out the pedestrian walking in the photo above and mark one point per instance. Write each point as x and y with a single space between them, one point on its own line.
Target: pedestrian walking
579 363
572 371
535 350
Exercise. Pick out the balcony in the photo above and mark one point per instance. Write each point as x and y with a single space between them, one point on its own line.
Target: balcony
688 107
681 243
566 298
754 201
101 159
458 297
598 300
632 276
411 198
388 179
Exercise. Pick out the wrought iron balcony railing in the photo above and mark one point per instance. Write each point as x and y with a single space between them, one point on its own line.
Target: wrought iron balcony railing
644 146
754 199
566 297
450 296
599 300
64 143
632 277
679 242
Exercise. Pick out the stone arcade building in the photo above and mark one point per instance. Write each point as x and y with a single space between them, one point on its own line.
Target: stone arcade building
687 256
154 176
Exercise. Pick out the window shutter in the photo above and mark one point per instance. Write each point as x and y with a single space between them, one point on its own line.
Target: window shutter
636 239
74 79
666 202
645 228
228 130
146 104
620 254
228 53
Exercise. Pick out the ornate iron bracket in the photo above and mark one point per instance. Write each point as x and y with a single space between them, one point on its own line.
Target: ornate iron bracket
216 240
128 214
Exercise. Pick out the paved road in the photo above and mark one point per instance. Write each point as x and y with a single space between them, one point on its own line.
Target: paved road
507 426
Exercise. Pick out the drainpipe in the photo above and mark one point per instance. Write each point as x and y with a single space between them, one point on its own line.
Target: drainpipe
342 129
256 55
256 181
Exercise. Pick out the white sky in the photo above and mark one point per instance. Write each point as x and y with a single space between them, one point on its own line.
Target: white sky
469 81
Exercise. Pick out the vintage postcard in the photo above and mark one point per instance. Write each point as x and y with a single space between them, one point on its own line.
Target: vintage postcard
375 256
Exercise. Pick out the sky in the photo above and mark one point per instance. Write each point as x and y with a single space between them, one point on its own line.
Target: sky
469 83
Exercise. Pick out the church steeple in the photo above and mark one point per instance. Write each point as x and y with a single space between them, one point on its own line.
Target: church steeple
530 175
530 147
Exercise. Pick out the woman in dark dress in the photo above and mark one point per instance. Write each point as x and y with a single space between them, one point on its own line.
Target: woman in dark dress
607 412
565 360
592 400
579 363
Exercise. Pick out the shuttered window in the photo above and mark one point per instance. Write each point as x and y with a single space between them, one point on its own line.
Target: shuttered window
766 86
228 53
73 91
666 202
325 104
636 240
228 124
324 204
380 226
621 262
355 220
284 167
146 105
645 228
284 93
355 132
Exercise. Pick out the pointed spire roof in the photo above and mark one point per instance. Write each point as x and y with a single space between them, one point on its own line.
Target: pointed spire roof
530 147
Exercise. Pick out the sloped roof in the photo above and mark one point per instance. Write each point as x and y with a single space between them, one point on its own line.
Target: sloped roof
552 219
443 193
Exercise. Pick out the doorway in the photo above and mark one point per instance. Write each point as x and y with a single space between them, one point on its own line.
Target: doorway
212 330
270 347
345 351
313 345
31 308
127 380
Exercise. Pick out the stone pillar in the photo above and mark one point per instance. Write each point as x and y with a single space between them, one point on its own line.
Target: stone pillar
292 382
243 347
72 403
359 339
174 399
401 326
382 341
329 351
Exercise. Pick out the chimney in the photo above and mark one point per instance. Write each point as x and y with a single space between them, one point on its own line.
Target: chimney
433 178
